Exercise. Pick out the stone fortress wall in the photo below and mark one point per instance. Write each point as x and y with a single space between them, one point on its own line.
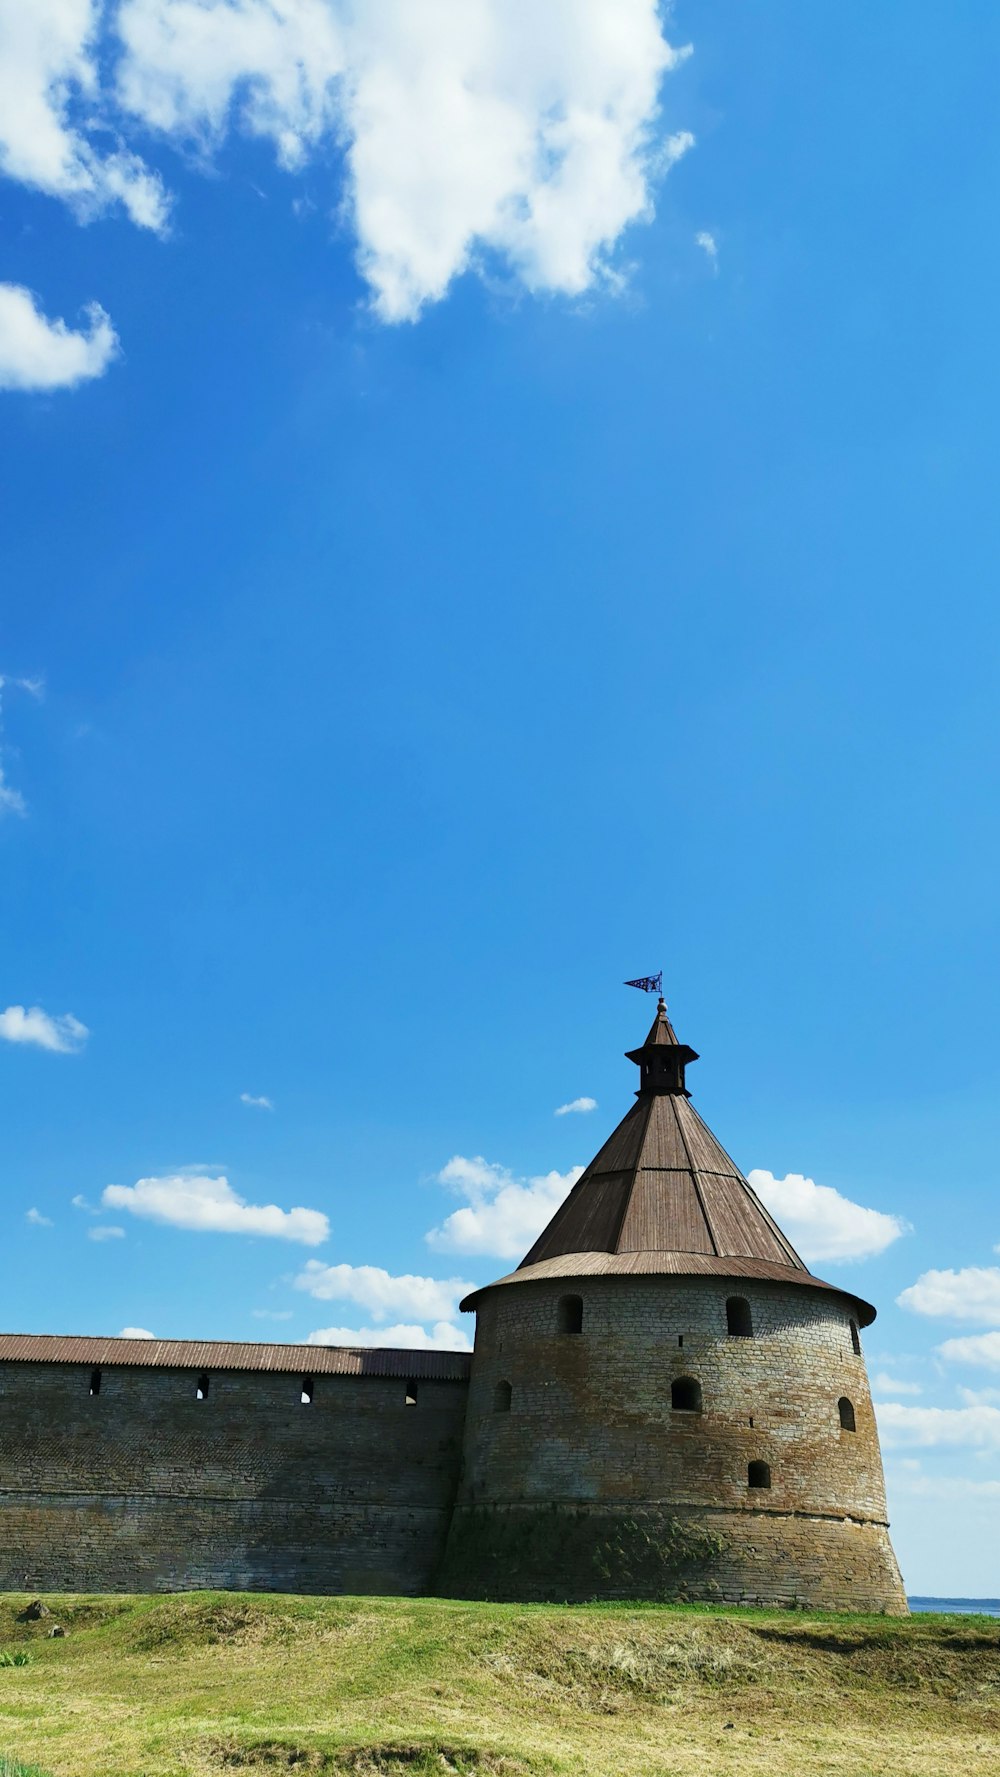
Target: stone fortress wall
586 1418
144 1487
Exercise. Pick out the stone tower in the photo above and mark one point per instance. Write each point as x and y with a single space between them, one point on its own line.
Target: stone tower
664 1400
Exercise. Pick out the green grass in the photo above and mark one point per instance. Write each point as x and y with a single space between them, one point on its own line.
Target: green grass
219 1684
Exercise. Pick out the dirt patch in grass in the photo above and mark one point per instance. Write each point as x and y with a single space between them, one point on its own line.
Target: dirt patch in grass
392 1760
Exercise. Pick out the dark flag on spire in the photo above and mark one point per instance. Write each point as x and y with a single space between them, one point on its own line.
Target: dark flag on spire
648 983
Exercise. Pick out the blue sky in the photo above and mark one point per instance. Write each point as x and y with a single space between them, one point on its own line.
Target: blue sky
520 514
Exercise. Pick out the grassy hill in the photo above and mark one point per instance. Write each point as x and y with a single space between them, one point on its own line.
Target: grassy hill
210 1684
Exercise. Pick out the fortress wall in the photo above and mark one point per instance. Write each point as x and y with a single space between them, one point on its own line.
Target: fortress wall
144 1487
590 1423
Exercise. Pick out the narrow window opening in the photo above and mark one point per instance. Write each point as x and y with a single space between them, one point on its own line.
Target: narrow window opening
201 1392
685 1395
95 1381
758 1475
680 1340
855 1339
751 1421
410 1398
739 1320
306 1396
846 1410
502 1397
570 1314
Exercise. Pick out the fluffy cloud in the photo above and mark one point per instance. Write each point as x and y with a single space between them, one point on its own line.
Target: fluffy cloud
258 1103
821 1223
135 1333
708 244
972 1294
421 1298
36 353
982 1349
903 1427
36 1218
576 1104
211 1206
504 1215
106 1231
63 1034
463 133
50 100
442 1337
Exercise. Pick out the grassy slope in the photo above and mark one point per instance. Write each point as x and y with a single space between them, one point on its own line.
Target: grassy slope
208 1684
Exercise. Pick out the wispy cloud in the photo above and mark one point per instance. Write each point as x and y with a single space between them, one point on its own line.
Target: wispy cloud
271 1313
882 1383
210 1206
39 354
257 1103
504 1215
970 1294
63 1034
821 1223
442 1337
105 1231
709 246
36 1218
581 1105
11 800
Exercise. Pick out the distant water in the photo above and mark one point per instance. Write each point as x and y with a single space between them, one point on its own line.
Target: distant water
962 1607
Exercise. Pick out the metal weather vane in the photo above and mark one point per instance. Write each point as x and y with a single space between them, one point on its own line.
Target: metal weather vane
648 983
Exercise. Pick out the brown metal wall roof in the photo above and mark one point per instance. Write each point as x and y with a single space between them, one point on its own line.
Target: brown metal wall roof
209 1354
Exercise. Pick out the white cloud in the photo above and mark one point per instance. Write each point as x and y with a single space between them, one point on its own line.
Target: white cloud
441 1337
36 1218
885 1384
211 1206
903 1427
708 244
80 1202
820 1223
981 1349
461 131
105 1231
258 1104
979 1397
972 1294
504 1215
50 111
64 1034
36 353
576 1104
420 1298
135 1333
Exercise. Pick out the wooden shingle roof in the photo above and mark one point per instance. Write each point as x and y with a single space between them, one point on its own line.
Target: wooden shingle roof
663 1196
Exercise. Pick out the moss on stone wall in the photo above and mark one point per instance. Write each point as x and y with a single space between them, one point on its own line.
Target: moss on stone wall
575 1553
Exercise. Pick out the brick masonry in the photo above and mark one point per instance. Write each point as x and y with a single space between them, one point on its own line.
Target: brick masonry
145 1487
591 1424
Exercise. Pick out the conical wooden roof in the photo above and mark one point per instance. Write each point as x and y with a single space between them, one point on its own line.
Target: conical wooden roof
662 1195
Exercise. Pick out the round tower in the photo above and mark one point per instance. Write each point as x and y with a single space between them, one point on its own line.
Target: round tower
664 1400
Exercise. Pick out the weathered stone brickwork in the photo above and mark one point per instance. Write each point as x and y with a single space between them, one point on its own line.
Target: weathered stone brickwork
145 1487
590 1423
